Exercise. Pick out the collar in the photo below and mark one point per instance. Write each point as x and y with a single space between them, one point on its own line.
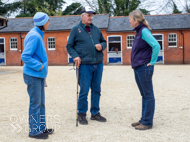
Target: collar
83 25
138 27
39 31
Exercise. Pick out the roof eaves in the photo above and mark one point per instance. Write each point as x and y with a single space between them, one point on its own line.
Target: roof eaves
172 29
120 31
13 31
151 30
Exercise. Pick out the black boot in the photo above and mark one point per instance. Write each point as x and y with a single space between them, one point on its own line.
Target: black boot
39 136
82 119
98 117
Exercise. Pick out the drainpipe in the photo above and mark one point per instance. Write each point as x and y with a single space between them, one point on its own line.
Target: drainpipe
3 27
21 46
183 47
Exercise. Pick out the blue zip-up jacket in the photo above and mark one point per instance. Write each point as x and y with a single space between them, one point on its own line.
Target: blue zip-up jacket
34 54
82 44
145 48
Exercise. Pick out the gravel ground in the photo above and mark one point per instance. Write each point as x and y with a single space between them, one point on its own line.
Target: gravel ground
120 104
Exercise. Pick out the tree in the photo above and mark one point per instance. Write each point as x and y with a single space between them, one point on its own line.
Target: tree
166 6
124 7
104 6
175 9
101 6
3 10
73 9
29 7
7 9
144 11
55 5
187 6
114 7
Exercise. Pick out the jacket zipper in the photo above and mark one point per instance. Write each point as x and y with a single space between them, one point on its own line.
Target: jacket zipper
94 49
92 43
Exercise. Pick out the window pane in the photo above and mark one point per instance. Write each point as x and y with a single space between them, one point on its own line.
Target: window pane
51 43
158 37
1 40
13 43
172 44
130 41
114 39
172 40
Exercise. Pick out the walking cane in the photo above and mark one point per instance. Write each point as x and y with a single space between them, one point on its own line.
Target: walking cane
77 97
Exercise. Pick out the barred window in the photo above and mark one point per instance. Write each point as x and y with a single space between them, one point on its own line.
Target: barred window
114 39
130 39
172 40
51 43
13 43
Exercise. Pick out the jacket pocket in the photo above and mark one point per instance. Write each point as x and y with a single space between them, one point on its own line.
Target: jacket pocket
99 56
44 71
45 67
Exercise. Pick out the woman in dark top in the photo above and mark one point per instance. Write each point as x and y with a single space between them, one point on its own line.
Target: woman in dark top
144 54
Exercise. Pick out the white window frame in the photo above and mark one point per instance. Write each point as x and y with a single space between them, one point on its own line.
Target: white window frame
48 43
172 41
4 49
13 43
129 47
114 42
161 51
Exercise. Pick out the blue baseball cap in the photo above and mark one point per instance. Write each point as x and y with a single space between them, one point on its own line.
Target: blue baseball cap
40 19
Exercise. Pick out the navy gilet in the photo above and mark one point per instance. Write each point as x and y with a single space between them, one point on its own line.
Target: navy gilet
141 51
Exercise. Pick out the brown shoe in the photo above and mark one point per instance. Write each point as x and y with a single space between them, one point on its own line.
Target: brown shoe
142 127
135 124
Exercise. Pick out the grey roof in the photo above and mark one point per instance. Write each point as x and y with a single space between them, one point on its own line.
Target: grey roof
156 22
56 23
112 24
163 22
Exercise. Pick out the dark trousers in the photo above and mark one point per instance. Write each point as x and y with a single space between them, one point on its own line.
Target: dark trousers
143 77
35 88
90 76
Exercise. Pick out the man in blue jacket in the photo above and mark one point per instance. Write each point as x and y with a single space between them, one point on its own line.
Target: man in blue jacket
86 44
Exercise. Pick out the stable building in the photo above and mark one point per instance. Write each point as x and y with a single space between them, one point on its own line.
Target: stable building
171 31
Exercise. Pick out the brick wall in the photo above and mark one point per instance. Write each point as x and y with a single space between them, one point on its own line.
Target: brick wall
60 56
187 46
172 55
12 56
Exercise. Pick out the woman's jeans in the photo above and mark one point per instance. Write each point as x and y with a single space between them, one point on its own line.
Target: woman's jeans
143 77
35 88
90 76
